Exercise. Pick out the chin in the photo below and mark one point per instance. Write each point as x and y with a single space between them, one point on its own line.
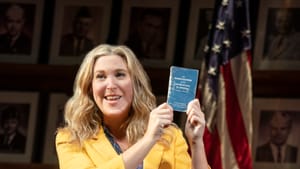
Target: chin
113 112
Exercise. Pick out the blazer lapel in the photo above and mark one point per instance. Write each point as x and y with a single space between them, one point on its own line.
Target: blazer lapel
100 146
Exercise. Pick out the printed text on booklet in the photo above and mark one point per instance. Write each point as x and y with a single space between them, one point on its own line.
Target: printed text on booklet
182 87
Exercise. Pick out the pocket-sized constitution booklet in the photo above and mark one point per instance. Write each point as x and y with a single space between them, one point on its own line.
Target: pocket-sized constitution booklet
182 87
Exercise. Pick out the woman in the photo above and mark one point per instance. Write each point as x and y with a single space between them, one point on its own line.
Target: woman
112 121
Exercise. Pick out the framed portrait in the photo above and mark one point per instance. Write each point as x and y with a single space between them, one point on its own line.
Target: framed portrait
18 112
200 18
276 133
78 27
278 36
56 106
20 30
149 29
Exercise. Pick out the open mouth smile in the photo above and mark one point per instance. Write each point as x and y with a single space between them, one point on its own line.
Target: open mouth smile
112 98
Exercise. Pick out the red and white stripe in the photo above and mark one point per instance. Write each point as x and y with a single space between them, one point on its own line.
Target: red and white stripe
229 144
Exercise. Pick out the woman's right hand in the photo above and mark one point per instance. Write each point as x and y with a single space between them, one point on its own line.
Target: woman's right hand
160 118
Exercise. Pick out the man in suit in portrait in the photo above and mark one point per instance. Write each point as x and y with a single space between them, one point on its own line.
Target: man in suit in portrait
285 42
77 43
148 39
11 140
15 40
277 149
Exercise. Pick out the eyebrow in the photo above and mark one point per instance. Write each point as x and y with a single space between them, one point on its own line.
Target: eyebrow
116 70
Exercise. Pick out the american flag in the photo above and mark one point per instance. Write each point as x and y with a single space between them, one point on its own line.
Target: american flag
226 87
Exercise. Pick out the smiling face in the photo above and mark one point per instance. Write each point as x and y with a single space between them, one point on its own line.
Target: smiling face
112 88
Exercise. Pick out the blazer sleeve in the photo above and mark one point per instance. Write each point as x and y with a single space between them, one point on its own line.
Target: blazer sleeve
182 157
72 156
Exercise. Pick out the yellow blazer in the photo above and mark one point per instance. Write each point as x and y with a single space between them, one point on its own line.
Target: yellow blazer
98 153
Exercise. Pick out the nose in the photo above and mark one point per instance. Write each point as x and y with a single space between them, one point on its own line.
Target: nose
111 83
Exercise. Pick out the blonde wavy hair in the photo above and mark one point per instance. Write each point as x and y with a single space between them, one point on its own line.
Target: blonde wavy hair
82 116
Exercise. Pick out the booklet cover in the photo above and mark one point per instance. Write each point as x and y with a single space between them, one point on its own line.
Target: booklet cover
182 87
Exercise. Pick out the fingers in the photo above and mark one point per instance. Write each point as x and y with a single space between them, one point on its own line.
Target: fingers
194 104
163 115
195 124
194 114
159 119
164 105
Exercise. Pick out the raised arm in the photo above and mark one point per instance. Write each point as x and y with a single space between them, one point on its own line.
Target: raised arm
194 130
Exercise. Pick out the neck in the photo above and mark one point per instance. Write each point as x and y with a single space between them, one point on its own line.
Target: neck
119 135
116 130
116 126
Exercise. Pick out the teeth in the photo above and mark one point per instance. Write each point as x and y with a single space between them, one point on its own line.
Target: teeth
112 97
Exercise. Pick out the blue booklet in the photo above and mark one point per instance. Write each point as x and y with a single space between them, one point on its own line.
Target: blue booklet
182 87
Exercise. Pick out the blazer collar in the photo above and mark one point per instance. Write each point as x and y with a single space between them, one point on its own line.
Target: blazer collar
102 146
152 160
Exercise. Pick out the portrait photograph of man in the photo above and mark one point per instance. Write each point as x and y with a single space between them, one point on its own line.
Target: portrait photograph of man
147 34
276 137
282 39
78 26
16 28
78 41
14 122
